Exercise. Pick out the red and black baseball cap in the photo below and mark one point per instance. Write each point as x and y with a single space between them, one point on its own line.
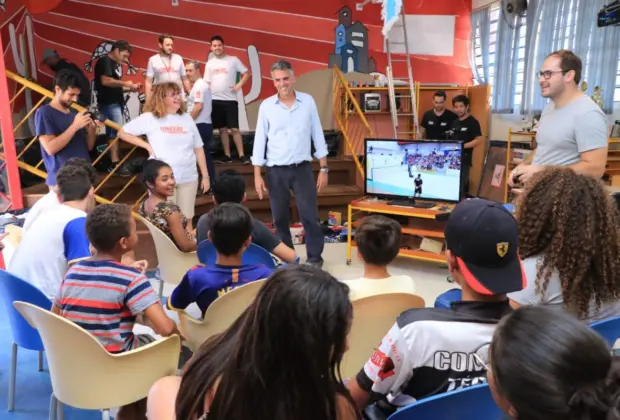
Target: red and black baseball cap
483 236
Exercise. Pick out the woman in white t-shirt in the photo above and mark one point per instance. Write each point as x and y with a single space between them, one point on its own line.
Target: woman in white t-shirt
173 138
569 239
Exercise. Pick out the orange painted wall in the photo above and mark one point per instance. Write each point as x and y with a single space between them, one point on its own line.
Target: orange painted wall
299 31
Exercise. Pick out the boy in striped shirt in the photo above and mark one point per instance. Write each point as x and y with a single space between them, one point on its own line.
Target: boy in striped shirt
104 296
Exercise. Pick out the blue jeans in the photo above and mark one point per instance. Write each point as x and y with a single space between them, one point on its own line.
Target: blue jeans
206 133
114 113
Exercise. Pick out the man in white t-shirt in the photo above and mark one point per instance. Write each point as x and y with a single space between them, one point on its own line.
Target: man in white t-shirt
199 108
221 75
166 66
50 200
378 240
57 238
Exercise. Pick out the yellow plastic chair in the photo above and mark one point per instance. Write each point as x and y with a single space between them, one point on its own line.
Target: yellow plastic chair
84 375
373 316
219 316
173 264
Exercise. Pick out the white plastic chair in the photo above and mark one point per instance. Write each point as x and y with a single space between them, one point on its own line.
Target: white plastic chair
84 375
173 264
373 316
15 234
219 316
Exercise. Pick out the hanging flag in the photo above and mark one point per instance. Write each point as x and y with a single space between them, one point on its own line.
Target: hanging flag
390 10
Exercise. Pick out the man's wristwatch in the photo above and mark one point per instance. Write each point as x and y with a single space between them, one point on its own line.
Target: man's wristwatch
324 169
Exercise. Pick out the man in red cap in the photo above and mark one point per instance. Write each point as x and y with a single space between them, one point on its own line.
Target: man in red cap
431 350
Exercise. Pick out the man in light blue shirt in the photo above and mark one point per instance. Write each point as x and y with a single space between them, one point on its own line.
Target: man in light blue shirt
288 123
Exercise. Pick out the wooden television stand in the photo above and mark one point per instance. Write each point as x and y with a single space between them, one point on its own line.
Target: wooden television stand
421 224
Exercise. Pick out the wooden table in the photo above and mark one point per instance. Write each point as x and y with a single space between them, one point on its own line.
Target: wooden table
422 223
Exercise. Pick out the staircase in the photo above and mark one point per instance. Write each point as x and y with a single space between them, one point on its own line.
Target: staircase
345 176
335 197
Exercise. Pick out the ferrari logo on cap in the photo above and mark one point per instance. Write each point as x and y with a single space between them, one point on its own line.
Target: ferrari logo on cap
502 249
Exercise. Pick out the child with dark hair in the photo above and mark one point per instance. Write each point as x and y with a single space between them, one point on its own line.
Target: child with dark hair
230 233
159 179
105 297
50 200
57 237
378 242
279 360
569 239
102 282
230 188
544 364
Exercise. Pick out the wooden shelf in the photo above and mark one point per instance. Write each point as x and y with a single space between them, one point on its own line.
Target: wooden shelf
382 88
425 225
407 230
417 254
381 206
523 133
370 112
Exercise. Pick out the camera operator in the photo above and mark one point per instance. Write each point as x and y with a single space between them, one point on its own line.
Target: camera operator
63 134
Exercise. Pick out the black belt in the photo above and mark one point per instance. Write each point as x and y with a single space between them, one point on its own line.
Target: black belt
292 165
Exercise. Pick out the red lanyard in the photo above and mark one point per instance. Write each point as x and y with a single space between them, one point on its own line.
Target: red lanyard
168 68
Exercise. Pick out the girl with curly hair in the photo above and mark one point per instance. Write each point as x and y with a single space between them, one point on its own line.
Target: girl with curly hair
569 239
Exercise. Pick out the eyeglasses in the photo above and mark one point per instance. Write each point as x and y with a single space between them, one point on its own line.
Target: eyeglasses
548 73
174 94
481 354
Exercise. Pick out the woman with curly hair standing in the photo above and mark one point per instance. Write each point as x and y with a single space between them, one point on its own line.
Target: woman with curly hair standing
569 239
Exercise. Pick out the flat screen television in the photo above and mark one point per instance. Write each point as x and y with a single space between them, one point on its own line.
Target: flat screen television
415 169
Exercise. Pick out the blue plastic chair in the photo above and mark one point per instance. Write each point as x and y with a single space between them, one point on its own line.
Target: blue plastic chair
253 255
445 299
609 329
475 402
13 289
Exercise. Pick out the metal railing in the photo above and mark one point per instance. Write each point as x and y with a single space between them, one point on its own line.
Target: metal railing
350 120
35 170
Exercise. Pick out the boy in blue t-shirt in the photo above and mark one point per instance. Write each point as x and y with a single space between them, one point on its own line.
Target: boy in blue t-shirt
230 233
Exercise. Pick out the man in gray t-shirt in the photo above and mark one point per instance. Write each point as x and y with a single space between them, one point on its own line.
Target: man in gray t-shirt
572 130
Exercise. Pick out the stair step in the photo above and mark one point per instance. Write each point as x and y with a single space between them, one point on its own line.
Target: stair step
337 195
334 197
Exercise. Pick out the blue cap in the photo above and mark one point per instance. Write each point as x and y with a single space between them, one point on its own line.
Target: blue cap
484 237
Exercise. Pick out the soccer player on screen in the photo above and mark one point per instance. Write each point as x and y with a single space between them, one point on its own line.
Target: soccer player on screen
418 186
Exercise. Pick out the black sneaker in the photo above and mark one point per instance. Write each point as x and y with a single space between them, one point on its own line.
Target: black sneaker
225 159
245 160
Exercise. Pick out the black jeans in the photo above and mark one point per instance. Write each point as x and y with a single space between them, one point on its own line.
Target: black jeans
206 133
299 178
